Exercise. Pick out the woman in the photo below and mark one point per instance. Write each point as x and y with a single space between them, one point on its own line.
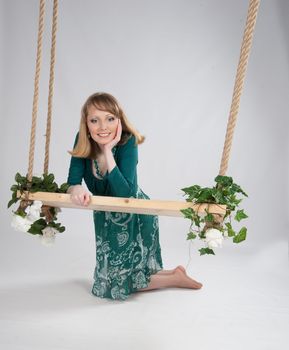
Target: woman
105 155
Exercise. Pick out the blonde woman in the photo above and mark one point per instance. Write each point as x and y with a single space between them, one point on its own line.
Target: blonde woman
128 252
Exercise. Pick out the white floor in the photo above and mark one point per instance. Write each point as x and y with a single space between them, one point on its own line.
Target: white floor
244 304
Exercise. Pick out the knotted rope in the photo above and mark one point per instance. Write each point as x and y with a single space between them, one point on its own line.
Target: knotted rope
51 82
36 89
239 82
36 86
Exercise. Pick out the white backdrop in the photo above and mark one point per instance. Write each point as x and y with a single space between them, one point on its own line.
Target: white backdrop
172 66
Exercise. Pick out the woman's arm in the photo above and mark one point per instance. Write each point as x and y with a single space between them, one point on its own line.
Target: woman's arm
78 194
122 178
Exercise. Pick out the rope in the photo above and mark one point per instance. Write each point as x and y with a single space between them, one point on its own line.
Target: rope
36 89
239 82
51 81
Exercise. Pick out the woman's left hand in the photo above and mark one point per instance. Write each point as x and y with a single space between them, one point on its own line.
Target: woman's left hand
108 146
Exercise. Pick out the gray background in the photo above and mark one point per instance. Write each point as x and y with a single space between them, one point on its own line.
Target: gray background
172 65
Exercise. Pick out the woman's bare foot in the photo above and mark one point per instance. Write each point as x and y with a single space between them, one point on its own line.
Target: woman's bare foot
184 281
177 279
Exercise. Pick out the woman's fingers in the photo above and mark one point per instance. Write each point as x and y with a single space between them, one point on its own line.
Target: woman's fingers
81 199
86 199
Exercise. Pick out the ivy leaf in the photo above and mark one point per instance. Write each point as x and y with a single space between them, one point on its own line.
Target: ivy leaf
204 251
191 235
224 180
64 187
37 226
240 215
230 230
209 217
218 195
241 236
192 191
48 179
205 195
237 188
18 177
36 180
14 188
12 201
188 212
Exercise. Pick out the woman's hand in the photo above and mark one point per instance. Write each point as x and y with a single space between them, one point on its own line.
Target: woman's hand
79 195
109 146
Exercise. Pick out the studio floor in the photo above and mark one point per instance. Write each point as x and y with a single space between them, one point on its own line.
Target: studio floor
244 304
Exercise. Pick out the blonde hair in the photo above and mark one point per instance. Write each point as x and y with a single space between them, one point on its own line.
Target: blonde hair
85 146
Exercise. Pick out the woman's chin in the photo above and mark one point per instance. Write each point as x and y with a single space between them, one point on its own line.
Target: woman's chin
102 142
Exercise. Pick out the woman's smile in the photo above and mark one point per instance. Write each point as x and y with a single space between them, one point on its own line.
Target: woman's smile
102 125
104 135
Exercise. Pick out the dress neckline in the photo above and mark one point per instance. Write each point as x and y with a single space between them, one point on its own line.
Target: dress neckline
97 170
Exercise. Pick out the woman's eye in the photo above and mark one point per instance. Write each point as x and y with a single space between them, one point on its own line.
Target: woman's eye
111 118
93 120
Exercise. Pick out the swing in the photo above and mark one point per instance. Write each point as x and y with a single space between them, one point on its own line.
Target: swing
132 205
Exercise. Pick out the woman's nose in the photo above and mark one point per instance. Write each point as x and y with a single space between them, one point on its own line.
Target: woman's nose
102 125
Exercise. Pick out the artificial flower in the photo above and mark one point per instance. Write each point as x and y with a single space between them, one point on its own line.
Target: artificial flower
48 237
214 238
20 224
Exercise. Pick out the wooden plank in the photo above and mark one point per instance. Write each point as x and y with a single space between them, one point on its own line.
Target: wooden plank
126 205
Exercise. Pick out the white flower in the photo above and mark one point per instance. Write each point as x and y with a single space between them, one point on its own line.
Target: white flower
48 237
214 238
20 224
33 211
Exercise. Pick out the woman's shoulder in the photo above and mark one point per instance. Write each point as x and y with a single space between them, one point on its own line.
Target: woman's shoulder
129 140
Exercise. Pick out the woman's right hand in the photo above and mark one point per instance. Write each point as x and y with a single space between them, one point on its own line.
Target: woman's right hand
79 195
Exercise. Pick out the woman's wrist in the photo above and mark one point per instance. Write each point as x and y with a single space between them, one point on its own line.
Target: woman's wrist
69 189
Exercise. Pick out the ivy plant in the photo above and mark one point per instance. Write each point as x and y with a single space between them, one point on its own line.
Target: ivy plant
210 227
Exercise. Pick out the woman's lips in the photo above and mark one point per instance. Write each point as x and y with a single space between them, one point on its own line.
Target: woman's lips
103 134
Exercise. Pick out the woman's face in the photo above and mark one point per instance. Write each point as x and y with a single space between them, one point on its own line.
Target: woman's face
102 125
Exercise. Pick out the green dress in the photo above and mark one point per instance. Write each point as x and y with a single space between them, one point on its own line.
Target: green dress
128 251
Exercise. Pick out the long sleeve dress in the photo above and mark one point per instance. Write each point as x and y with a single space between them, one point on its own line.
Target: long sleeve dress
128 251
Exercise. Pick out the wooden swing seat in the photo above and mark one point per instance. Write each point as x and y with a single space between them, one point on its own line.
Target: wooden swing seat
126 205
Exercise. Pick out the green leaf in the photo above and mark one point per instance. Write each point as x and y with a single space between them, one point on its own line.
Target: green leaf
204 251
192 190
224 180
191 235
14 188
238 189
218 195
188 213
240 215
241 236
209 217
12 201
205 195
37 226
61 229
48 179
64 187
202 235
230 230
18 177
36 180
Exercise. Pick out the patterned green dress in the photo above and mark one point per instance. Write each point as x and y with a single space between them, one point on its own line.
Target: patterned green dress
128 251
